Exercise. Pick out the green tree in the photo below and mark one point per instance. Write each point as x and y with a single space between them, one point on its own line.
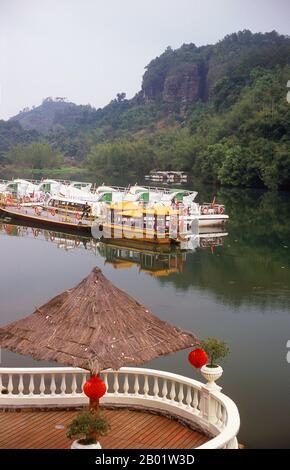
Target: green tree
36 155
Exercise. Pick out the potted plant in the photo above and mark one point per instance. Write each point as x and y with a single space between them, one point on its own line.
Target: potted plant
87 427
215 349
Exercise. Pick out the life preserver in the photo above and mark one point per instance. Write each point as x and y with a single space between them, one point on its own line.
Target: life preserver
37 210
77 242
52 211
204 210
78 215
221 210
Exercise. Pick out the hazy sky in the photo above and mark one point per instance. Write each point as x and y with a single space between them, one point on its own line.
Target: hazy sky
89 50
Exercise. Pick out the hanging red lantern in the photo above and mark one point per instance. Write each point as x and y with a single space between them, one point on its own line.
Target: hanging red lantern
198 358
95 388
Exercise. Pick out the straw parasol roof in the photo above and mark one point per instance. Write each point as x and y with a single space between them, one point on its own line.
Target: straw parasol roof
95 326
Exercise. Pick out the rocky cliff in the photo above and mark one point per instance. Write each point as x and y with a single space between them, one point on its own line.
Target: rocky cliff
190 74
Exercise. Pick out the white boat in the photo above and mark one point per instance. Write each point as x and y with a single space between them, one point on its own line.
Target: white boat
20 188
78 193
75 207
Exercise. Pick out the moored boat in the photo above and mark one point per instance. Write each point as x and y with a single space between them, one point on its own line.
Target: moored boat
69 197
39 218
128 221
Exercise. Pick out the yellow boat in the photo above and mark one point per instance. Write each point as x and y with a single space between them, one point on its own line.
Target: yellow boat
127 220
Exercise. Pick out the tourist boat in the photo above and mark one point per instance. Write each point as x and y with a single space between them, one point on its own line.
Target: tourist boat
36 191
207 214
38 217
72 194
125 220
75 207
143 195
50 187
211 216
169 176
20 188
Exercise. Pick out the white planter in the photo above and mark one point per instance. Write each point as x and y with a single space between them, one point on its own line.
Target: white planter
211 374
77 445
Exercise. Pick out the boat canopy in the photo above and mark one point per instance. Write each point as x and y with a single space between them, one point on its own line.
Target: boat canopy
80 185
179 195
66 201
103 189
124 205
137 189
133 213
160 210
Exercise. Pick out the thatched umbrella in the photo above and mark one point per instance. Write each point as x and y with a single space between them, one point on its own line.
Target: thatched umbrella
95 326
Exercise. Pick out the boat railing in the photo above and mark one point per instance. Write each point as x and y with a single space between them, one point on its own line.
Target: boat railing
161 189
121 189
190 401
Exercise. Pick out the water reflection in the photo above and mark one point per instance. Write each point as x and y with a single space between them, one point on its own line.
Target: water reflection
156 260
247 266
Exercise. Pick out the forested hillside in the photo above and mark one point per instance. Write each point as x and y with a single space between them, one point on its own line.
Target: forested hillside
218 111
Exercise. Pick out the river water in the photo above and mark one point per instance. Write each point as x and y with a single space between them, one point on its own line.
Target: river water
235 286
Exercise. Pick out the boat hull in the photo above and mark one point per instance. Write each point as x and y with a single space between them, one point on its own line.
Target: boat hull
212 220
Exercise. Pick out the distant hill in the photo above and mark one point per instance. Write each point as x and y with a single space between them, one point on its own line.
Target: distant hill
44 117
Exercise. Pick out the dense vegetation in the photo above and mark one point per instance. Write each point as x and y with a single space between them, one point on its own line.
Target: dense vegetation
217 111
36 155
11 133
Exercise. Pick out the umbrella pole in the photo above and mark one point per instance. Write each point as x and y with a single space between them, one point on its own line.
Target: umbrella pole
94 404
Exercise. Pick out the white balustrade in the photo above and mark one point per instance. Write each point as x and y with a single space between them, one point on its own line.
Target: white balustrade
210 412
126 385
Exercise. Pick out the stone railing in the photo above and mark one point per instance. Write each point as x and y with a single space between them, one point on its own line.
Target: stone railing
210 412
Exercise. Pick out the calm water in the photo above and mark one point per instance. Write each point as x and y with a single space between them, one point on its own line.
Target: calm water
239 291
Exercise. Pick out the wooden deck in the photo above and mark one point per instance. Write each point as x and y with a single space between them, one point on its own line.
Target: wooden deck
129 430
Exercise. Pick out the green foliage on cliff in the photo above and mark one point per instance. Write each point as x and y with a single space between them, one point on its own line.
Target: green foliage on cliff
248 143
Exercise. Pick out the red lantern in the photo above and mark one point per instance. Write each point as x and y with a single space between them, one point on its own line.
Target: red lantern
198 358
95 388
